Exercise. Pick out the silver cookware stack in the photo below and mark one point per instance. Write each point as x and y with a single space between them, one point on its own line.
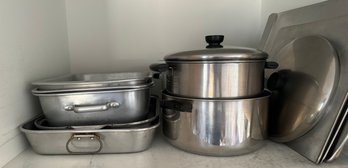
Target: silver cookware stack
214 102
94 113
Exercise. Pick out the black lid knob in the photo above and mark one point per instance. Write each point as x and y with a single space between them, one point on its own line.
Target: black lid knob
214 41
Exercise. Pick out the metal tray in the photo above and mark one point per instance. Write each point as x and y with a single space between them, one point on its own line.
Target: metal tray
89 141
340 135
80 82
330 20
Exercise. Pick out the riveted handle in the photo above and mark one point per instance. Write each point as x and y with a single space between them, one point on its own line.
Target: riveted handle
91 108
93 140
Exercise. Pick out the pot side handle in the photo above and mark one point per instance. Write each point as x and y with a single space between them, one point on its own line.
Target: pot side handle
177 105
271 65
159 67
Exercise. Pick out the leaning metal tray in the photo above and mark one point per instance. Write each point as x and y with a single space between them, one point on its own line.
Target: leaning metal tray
79 82
89 141
330 20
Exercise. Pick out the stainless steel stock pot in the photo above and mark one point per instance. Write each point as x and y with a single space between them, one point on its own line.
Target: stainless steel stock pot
215 72
217 127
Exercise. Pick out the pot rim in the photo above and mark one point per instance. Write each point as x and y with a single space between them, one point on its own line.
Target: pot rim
218 54
216 61
266 93
36 92
118 130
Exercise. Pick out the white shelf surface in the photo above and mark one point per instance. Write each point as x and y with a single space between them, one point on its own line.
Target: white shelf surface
163 155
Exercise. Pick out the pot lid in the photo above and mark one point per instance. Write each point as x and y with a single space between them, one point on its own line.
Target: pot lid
302 86
216 52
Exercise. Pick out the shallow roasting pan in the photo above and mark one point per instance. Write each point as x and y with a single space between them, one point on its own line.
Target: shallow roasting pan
89 141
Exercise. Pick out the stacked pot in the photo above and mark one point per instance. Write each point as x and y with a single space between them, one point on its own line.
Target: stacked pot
85 112
214 102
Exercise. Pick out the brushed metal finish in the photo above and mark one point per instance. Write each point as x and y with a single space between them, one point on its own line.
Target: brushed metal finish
217 127
339 136
40 91
303 84
338 148
132 103
84 82
89 141
328 19
221 54
152 115
216 80
91 108
95 145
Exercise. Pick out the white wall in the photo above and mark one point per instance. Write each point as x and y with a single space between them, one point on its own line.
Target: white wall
128 35
33 45
275 6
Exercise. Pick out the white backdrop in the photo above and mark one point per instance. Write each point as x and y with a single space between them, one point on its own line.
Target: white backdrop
128 35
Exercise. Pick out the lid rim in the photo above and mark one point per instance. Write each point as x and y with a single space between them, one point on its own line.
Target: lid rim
215 61
221 54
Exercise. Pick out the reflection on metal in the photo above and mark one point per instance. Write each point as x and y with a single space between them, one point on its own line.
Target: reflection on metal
218 127
330 20
302 86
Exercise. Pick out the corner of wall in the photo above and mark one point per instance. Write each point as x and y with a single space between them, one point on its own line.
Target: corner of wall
33 45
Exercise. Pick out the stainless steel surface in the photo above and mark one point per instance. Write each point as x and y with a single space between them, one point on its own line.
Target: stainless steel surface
337 149
76 138
91 108
79 82
301 86
328 19
217 80
152 115
88 107
89 141
335 155
215 72
221 54
339 136
39 91
217 127
319 12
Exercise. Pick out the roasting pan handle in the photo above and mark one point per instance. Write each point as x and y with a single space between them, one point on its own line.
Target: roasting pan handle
91 108
89 139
